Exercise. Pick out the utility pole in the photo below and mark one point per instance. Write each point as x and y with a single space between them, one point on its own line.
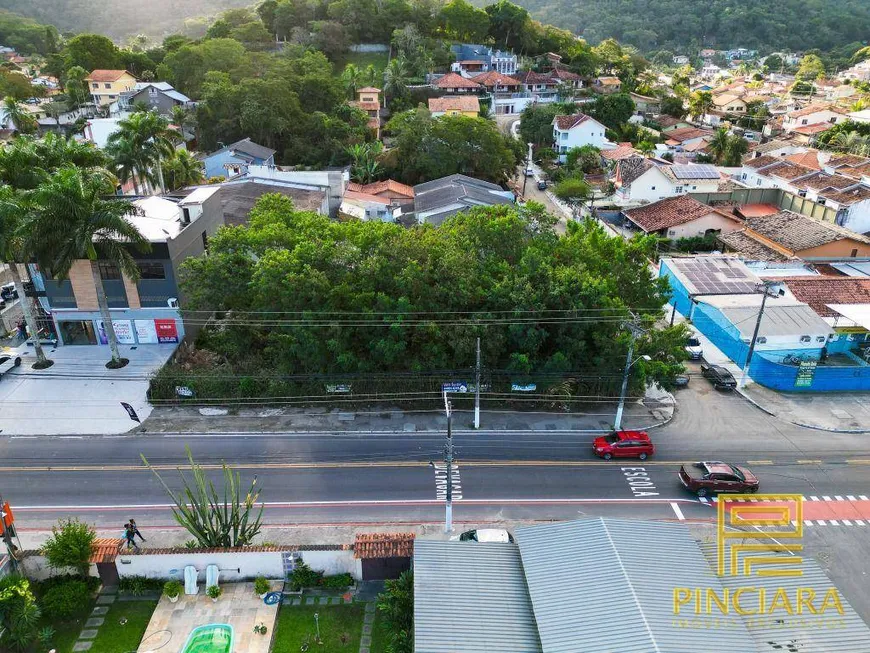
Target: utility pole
526 168
477 389
765 288
635 332
448 460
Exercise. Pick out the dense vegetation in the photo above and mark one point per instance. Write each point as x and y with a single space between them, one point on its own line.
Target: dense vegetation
685 25
302 295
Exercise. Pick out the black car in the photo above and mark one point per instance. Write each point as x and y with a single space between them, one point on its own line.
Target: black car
542 185
719 376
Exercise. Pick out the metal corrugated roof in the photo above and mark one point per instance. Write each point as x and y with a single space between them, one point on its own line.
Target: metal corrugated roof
778 633
794 320
471 596
607 585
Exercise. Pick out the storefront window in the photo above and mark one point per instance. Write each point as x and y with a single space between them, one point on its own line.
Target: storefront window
78 332
108 271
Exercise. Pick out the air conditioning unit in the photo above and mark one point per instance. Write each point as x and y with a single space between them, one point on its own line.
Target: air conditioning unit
172 302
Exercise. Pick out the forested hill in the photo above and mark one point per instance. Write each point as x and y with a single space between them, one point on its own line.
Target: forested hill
119 18
674 24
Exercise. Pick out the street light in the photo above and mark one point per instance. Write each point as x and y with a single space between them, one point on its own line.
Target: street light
617 423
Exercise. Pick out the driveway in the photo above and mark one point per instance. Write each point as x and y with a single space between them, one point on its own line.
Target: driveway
78 395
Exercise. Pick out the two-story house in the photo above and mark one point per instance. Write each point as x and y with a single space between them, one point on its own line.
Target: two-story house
368 99
382 200
106 86
156 96
607 85
456 84
639 180
472 59
577 130
816 114
233 160
144 312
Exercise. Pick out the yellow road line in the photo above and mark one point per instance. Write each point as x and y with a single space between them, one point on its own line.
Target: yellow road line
809 462
759 462
859 461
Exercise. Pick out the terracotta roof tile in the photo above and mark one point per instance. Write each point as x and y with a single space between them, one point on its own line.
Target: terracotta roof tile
790 171
812 130
242 549
748 247
378 187
383 545
623 151
796 232
687 134
495 78
813 108
105 549
808 159
820 291
368 89
851 160
465 103
848 196
569 122
762 161
106 75
668 212
823 180
455 80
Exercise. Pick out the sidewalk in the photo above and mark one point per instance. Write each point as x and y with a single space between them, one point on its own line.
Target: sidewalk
657 408
838 413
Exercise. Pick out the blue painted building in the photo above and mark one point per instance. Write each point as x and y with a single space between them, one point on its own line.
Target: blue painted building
233 160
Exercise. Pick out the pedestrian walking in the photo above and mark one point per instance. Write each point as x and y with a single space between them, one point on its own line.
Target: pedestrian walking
22 329
136 529
130 535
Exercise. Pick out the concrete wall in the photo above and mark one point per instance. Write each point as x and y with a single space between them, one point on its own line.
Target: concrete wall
700 226
36 567
234 565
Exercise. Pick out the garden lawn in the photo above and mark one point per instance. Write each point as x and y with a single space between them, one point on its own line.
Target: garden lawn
380 637
361 60
296 623
66 633
115 638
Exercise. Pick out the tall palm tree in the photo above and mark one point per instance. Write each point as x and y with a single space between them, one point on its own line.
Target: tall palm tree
351 77
18 116
395 77
13 209
147 141
719 144
71 221
127 162
646 147
183 169
370 76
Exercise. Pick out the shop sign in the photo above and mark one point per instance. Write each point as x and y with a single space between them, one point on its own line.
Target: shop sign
167 331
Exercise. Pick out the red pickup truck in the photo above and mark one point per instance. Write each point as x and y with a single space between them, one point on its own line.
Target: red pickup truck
713 477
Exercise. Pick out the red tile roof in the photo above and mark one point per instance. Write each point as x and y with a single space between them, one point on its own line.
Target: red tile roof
368 89
808 159
105 549
531 77
495 78
457 103
106 75
849 196
668 212
851 160
622 151
790 171
820 291
455 80
383 545
569 122
757 210
687 134
813 108
812 130
378 187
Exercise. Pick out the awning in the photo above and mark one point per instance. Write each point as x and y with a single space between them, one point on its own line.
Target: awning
858 313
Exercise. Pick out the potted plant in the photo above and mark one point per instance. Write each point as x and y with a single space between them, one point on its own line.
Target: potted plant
261 586
172 589
261 629
214 592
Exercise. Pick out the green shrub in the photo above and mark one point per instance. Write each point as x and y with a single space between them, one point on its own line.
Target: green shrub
261 585
139 585
41 587
70 545
172 588
304 576
337 582
66 600
214 592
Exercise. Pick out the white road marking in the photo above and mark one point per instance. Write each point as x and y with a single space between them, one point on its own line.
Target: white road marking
850 497
863 497
677 511
834 522
824 498
839 498
847 522
820 522
859 522
441 481
808 522
814 498
703 500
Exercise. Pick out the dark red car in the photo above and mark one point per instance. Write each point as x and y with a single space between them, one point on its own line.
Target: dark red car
713 477
624 444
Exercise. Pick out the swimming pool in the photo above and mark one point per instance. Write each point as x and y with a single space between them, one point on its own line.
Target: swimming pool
214 638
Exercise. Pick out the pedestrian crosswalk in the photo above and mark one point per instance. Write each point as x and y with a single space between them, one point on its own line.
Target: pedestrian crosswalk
441 481
824 510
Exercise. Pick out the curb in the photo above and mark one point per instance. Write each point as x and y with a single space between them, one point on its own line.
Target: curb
812 427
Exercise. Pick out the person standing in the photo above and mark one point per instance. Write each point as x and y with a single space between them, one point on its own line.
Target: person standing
130 534
136 529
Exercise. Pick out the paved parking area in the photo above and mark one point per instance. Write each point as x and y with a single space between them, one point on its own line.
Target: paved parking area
78 395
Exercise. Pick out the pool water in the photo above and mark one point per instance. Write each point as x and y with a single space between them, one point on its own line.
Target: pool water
214 638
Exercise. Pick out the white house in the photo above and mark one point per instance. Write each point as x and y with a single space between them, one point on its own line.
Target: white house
578 130
681 217
860 116
640 180
812 115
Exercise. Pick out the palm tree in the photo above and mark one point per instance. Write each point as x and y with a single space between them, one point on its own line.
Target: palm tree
351 77
147 141
13 209
365 168
700 103
183 169
395 77
370 76
719 144
71 221
127 164
18 116
646 148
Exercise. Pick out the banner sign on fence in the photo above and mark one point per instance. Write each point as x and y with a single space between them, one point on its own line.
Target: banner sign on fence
805 374
528 387
454 386
339 388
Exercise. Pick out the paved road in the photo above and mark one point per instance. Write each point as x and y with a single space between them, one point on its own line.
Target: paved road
317 478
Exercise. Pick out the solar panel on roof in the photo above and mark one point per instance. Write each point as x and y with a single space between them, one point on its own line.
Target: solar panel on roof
695 172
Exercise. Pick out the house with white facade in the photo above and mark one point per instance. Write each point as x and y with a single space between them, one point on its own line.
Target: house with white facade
681 217
472 59
815 114
578 130
639 180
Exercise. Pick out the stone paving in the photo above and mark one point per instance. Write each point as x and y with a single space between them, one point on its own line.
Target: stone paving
107 596
239 606
365 641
